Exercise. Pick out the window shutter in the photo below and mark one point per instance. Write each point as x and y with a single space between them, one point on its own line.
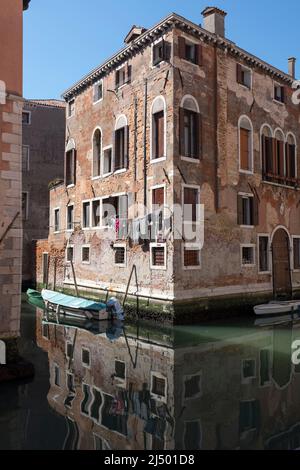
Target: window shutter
199 54
269 154
274 155
240 217
181 47
283 94
113 159
181 131
264 154
164 50
128 73
74 158
126 147
244 149
292 160
255 207
239 75
117 78
199 135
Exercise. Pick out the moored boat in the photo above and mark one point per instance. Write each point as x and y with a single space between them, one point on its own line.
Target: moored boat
277 308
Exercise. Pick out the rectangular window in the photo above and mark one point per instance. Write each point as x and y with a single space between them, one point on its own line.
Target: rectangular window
70 168
296 245
26 118
86 214
56 220
120 370
25 158
57 375
244 76
123 76
191 204
192 387
120 255
190 51
85 357
71 108
69 350
70 254
249 369
107 161
291 160
247 210
115 215
121 148
158 135
25 205
190 123
192 257
45 331
159 53
98 91
279 93
245 149
85 254
45 268
264 254
70 217
158 257
96 213
248 257
158 386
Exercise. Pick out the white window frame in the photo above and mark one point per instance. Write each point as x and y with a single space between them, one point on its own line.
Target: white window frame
159 398
86 366
67 247
117 128
247 195
182 105
247 380
86 201
191 247
56 209
99 199
89 247
67 229
248 69
69 116
157 41
108 147
97 85
247 172
152 266
264 235
25 111
248 245
164 158
28 157
117 70
294 237
121 245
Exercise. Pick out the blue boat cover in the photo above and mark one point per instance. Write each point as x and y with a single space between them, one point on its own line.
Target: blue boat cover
68 301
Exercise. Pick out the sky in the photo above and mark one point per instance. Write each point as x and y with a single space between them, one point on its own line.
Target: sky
66 39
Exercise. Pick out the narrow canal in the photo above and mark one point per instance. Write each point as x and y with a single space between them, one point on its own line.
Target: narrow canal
219 386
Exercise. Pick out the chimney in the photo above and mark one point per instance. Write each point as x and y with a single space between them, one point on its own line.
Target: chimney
214 20
292 67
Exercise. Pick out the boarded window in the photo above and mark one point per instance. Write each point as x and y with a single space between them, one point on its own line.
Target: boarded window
158 386
296 244
120 255
191 257
264 254
158 256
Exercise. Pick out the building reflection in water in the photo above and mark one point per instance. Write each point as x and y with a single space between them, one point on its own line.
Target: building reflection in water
188 388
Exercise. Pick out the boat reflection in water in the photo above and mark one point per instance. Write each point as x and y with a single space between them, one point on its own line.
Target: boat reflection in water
202 387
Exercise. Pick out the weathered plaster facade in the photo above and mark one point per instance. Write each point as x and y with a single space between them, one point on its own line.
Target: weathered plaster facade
43 162
222 102
11 30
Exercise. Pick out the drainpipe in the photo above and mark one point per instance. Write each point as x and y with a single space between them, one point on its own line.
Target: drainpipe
135 141
216 108
145 141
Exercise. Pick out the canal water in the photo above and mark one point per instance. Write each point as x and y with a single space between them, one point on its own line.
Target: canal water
229 385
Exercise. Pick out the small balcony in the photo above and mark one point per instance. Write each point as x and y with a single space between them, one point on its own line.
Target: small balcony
281 180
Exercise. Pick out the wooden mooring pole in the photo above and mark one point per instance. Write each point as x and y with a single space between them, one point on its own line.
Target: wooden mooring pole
74 277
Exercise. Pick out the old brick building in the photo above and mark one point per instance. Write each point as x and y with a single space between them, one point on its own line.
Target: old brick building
180 116
43 149
11 78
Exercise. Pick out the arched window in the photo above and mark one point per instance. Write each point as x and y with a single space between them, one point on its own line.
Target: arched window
267 150
246 144
158 125
190 128
97 152
70 163
121 151
291 157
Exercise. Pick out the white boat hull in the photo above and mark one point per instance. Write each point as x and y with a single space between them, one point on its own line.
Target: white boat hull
276 308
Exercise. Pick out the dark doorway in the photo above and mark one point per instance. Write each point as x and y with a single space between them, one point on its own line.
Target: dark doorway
282 282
